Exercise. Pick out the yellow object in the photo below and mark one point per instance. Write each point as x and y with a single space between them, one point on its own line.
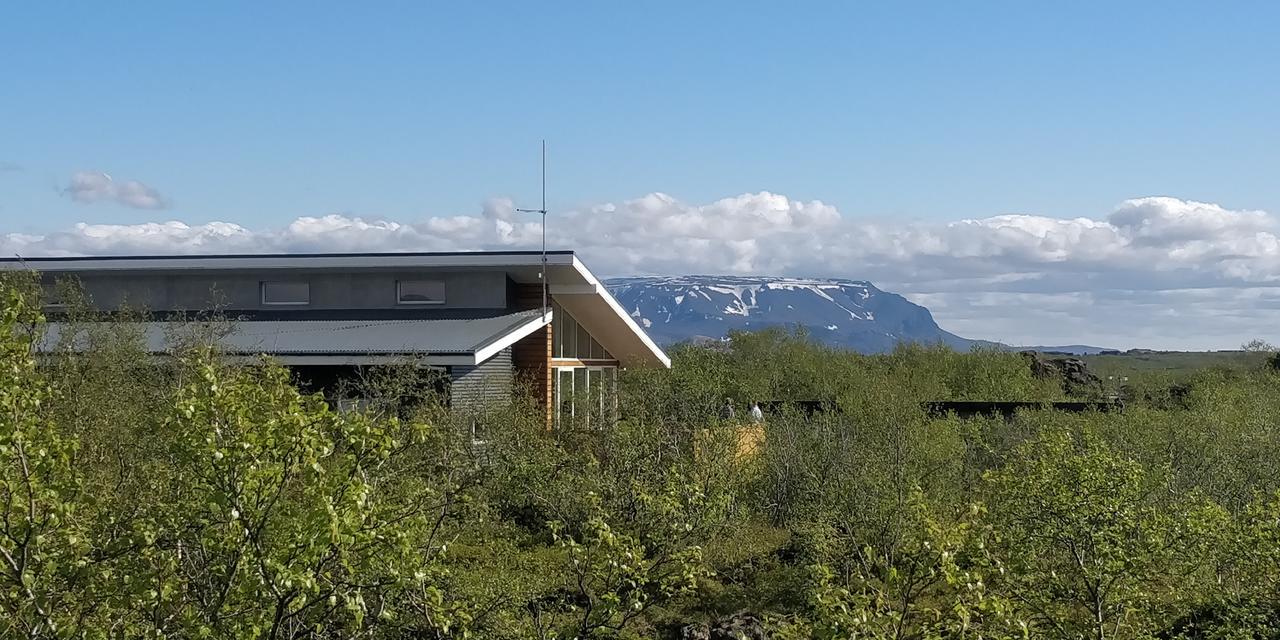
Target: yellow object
744 440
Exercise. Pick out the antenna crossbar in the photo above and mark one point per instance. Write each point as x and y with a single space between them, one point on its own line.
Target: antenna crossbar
542 276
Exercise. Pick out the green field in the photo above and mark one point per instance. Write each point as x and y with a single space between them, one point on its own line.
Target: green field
1176 364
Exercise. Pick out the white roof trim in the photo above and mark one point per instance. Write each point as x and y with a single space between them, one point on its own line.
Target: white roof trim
502 342
622 313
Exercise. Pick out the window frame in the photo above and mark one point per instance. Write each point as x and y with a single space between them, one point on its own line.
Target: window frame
400 292
602 403
50 298
262 293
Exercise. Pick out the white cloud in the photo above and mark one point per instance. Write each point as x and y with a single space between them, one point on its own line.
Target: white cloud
1153 272
95 186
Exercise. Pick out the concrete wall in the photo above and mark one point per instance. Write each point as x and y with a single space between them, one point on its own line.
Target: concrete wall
240 290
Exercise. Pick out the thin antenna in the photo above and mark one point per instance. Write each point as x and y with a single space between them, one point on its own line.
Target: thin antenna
542 276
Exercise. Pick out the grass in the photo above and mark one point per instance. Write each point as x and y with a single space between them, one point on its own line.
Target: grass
1173 363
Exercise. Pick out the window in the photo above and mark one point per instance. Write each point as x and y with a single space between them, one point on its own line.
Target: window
572 340
53 296
581 397
585 397
564 334
286 292
598 352
564 396
420 292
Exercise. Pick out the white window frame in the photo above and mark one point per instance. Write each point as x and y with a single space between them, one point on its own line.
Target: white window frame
262 293
604 371
400 294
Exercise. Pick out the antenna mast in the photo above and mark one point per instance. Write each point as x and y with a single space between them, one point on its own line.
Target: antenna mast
542 276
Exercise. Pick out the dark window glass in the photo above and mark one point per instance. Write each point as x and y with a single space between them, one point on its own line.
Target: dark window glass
286 292
52 296
564 396
581 397
570 344
420 292
557 330
584 344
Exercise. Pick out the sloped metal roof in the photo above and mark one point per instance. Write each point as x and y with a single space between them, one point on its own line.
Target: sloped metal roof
570 283
339 337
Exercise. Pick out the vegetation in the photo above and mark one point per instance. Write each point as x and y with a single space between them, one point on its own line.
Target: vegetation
186 497
1175 365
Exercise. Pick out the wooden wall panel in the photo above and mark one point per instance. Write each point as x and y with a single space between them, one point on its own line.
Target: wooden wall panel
525 296
532 359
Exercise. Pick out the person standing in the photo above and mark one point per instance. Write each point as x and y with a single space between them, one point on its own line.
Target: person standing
727 413
757 416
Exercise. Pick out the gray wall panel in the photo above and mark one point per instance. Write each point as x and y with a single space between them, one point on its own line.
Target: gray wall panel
490 383
239 290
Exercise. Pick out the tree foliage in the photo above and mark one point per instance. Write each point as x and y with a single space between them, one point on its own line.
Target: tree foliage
185 495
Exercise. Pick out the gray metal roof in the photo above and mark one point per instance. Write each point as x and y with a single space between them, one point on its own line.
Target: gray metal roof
360 337
570 282
496 256
517 261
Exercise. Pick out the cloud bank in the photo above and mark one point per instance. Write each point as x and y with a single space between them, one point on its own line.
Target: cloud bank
88 187
1159 271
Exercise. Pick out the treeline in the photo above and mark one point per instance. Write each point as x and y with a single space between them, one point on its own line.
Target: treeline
193 497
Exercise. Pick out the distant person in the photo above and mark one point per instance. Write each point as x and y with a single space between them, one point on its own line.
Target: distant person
757 416
727 413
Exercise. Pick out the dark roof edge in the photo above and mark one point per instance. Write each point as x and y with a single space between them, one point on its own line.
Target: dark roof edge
206 256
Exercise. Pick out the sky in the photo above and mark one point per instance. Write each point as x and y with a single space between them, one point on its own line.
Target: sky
1035 174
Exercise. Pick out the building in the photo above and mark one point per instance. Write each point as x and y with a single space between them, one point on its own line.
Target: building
477 317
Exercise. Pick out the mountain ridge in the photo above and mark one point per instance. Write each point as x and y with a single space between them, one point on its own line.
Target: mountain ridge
838 311
841 312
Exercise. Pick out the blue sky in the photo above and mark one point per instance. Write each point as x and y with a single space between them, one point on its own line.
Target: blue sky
260 113
925 110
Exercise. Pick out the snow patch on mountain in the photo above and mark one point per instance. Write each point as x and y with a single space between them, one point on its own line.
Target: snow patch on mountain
848 313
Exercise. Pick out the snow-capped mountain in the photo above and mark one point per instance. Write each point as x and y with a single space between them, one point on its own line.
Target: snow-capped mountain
847 313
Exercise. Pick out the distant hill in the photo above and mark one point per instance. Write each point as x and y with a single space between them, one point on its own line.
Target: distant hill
1073 349
853 314
847 313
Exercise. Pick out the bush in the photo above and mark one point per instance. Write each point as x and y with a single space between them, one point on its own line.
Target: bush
182 496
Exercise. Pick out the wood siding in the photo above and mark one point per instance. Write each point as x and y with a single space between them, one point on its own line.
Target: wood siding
526 296
532 354
532 358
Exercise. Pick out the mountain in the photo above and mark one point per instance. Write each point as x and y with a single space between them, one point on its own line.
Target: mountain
848 313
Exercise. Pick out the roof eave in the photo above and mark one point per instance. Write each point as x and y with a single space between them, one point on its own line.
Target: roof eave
652 352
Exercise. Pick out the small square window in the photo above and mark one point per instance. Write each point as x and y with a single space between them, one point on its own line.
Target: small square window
52 296
420 292
286 293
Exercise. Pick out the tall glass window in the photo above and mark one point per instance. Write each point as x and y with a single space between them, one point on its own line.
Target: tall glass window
585 397
571 340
